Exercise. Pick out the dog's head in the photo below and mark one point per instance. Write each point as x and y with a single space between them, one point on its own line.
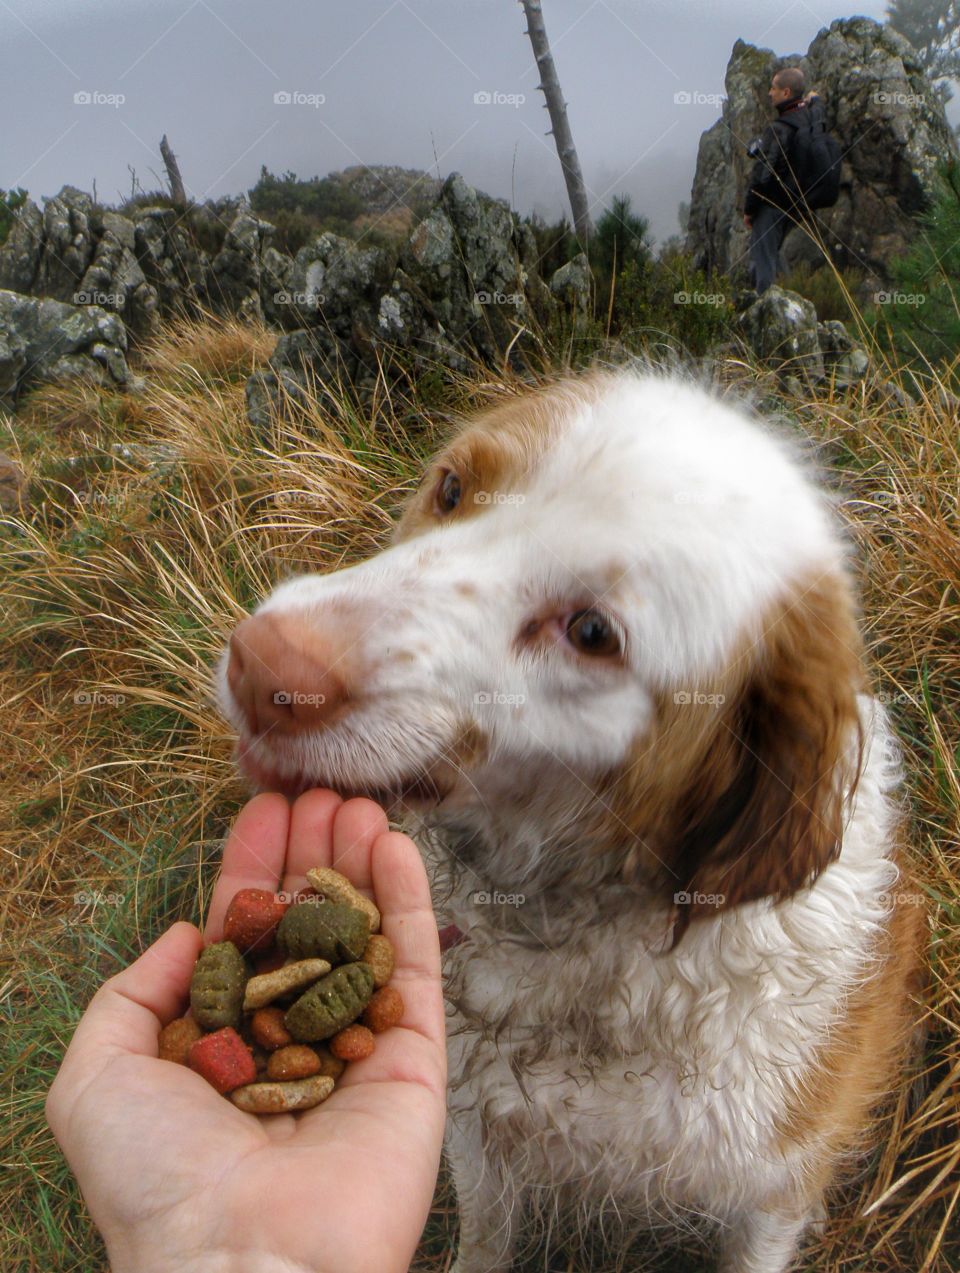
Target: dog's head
614 620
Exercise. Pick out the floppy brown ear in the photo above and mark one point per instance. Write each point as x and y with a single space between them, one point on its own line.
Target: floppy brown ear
763 813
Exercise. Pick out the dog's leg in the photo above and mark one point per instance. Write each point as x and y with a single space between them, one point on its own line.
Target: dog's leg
761 1242
487 1201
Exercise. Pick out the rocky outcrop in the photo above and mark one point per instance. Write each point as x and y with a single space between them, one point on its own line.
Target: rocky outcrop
465 287
881 108
49 341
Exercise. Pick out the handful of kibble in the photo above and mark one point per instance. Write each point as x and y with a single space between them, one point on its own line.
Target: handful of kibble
276 1037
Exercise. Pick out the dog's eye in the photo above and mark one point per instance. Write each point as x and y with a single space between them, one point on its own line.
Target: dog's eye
448 493
590 633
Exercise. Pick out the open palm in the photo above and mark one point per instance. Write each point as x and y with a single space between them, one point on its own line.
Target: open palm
175 1175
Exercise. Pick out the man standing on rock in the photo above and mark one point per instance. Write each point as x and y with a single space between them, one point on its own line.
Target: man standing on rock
769 209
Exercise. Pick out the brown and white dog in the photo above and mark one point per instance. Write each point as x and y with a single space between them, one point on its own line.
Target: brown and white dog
610 672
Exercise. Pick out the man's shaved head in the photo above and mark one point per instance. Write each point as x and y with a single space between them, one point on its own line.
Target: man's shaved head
790 77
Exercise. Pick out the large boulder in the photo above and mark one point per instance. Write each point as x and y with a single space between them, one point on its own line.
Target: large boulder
50 341
880 106
781 329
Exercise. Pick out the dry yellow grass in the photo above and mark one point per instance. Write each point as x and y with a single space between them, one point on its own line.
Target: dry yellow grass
156 519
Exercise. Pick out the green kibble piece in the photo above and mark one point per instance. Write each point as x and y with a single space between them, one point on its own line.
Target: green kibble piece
331 1003
324 930
217 986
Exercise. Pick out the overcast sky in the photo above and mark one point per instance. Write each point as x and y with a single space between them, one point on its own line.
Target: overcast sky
375 81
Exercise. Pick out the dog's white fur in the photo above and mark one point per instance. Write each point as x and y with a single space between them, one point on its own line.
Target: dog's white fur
599 1062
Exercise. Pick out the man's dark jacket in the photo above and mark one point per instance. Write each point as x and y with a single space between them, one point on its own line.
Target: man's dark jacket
771 181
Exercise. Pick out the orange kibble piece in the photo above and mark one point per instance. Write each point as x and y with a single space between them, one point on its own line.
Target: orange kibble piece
384 1010
267 1028
352 1044
177 1038
295 1062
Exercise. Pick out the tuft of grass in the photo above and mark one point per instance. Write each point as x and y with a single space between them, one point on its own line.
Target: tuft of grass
157 518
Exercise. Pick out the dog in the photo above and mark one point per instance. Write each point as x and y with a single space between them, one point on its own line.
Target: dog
610 673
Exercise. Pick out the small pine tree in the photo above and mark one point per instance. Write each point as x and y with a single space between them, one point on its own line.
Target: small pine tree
621 236
10 203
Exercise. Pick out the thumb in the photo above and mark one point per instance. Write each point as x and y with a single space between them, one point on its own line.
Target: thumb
126 1013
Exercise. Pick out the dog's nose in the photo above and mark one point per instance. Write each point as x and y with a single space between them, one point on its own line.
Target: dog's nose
282 674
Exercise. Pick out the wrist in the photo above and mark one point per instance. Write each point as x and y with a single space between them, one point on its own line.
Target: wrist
128 1257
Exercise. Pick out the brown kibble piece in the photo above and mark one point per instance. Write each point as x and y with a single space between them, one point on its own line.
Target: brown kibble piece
177 1038
352 1044
337 888
282 1098
384 1010
267 1028
290 979
295 1062
379 956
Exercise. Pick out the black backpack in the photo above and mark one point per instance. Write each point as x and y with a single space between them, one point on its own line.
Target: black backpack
815 158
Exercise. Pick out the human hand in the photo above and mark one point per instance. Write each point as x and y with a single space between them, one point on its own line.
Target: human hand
175 1176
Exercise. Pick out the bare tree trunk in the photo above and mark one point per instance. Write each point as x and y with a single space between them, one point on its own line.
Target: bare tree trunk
559 125
177 192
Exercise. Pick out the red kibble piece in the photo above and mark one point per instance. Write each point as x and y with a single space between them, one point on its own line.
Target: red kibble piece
251 920
384 1010
223 1059
352 1044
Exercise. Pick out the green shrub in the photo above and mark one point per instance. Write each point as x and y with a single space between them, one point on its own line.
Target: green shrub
918 317
332 204
823 287
667 301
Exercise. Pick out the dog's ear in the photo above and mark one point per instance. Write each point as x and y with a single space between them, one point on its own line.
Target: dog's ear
762 816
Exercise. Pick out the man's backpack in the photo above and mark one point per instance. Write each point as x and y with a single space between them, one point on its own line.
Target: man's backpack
815 158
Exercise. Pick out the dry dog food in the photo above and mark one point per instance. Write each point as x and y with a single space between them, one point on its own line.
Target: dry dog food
275 1037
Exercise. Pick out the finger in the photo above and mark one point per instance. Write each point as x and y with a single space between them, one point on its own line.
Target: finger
403 896
253 856
310 841
126 1013
355 829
